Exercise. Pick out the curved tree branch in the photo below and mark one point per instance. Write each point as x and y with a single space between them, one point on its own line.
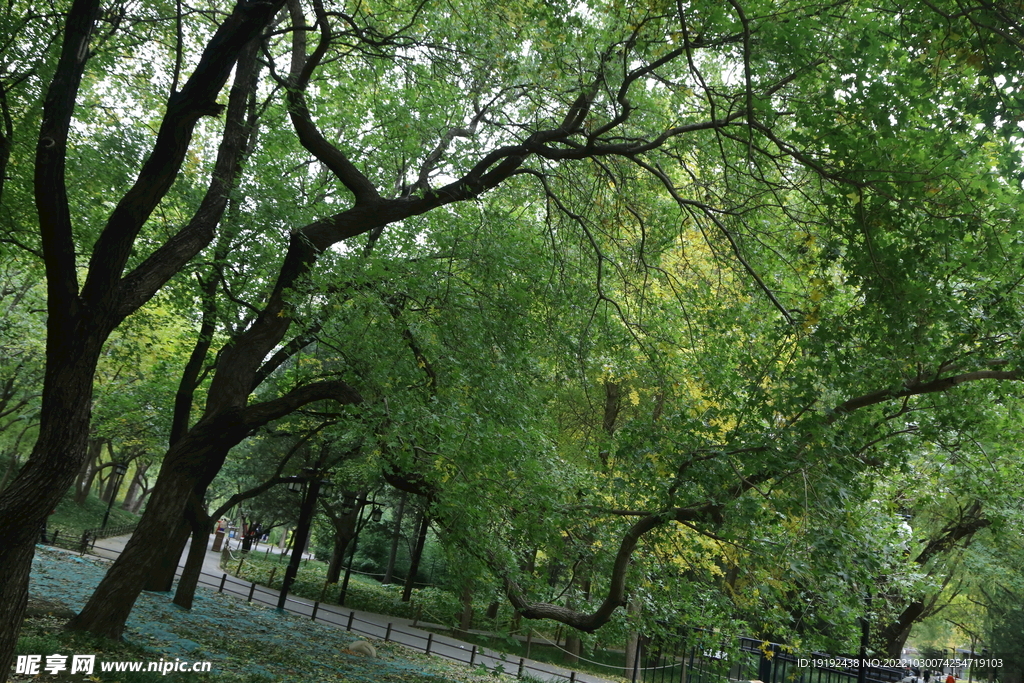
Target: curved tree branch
197 98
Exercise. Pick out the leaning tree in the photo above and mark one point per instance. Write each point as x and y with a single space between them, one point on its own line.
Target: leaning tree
504 118
747 116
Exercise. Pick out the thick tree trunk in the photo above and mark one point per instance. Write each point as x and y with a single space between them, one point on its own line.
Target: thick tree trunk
632 643
83 483
341 541
80 320
107 610
132 499
15 554
12 462
573 647
396 537
51 469
187 469
894 636
202 526
160 577
417 552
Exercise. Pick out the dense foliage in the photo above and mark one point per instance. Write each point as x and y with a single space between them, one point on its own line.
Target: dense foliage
710 310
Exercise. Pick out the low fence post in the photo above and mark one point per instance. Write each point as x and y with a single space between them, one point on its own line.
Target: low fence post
316 606
351 616
430 640
252 589
472 656
572 677
520 673
223 578
387 634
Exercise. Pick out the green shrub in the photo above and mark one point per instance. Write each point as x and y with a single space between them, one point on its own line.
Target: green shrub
428 604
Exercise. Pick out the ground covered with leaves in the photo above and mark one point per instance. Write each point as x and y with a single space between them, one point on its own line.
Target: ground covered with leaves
244 642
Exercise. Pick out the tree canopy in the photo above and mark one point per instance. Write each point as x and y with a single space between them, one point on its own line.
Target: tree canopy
639 298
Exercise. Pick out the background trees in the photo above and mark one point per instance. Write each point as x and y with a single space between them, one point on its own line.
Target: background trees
664 291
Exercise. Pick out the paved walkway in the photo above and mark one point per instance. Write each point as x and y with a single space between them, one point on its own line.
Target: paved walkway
396 629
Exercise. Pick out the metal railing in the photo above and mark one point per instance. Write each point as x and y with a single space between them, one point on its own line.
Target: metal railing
696 658
439 646
61 538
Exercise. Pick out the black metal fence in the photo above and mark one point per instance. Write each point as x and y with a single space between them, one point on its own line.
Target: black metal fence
428 643
701 659
691 657
72 541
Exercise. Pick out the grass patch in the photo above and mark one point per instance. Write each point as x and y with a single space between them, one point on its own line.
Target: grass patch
71 520
427 604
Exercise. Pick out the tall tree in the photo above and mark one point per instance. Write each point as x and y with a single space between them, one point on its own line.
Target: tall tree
573 123
82 316
782 174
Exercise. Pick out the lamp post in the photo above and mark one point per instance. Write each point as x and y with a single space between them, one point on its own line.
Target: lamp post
311 477
375 516
119 471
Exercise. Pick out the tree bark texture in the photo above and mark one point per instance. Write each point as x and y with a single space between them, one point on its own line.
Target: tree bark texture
160 577
202 527
37 489
337 557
